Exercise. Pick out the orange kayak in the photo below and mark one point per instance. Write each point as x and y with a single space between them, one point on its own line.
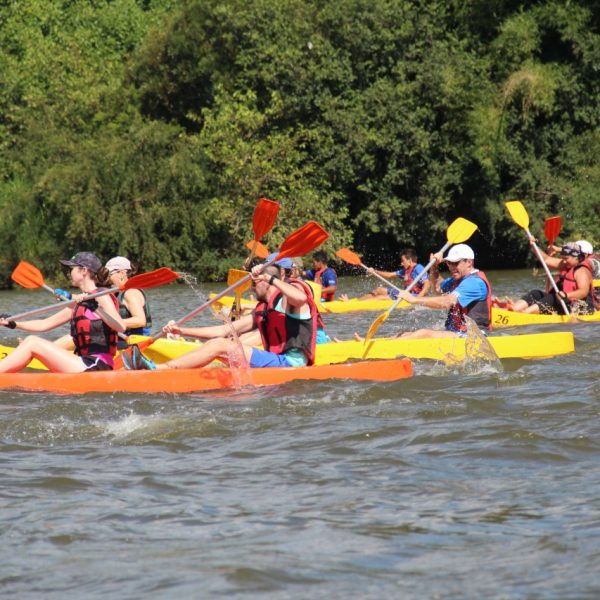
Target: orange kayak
198 380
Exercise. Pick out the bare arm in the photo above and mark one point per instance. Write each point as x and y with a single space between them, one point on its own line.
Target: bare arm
41 325
108 313
240 326
134 301
443 302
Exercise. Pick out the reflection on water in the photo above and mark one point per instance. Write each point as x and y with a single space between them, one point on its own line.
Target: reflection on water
473 479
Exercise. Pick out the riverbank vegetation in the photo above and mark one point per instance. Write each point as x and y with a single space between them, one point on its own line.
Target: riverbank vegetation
151 127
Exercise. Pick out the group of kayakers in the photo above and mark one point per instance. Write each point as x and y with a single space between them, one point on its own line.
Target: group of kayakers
286 319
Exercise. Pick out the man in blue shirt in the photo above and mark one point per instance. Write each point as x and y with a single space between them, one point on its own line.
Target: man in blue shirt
466 291
323 274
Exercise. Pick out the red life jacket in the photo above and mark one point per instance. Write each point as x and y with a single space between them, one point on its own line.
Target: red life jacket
407 279
567 282
328 297
480 311
90 333
280 332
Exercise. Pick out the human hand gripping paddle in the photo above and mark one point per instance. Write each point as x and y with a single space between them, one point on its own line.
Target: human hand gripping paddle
148 280
521 218
302 241
460 230
353 259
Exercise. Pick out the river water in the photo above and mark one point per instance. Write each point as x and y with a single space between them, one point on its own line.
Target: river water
461 482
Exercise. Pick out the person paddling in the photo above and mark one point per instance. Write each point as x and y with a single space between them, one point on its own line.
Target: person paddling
466 292
574 283
410 269
322 273
94 326
286 317
133 304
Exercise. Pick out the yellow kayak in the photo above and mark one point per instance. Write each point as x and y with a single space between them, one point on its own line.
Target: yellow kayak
508 318
540 345
335 306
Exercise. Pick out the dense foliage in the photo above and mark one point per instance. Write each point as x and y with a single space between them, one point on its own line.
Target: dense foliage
151 127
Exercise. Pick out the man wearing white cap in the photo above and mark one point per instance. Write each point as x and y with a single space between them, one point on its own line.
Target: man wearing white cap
466 292
133 304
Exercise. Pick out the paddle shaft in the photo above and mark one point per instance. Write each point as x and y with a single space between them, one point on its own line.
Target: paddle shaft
51 307
204 306
548 274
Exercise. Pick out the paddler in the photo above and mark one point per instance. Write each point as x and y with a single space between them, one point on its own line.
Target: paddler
286 317
94 326
466 292
574 284
323 274
410 269
133 304
588 251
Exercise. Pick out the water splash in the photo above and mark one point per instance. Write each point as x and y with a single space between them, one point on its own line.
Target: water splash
192 282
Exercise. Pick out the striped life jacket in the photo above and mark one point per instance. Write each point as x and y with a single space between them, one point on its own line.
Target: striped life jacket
480 311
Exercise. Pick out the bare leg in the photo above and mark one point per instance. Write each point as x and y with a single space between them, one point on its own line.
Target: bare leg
379 293
215 348
420 334
534 309
520 306
55 358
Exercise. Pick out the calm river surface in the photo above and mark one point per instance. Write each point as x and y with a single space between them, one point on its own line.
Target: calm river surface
459 483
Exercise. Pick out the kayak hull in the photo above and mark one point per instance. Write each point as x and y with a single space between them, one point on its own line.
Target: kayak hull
200 380
530 346
541 345
334 307
508 318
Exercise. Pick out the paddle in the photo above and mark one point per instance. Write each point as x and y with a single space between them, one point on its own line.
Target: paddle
353 259
30 277
260 250
460 230
552 227
521 218
233 276
144 281
263 220
302 241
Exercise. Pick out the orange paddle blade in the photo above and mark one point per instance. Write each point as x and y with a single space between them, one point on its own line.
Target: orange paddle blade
259 249
552 226
151 279
264 217
302 241
27 275
348 256
234 275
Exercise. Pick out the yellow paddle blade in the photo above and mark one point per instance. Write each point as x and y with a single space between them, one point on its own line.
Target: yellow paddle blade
460 230
234 275
375 325
518 213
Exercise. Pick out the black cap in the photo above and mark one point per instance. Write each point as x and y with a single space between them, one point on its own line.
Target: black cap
84 259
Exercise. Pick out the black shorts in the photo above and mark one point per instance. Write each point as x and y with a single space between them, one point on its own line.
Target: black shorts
93 363
548 302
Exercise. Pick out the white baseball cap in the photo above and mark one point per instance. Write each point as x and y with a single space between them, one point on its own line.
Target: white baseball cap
586 247
118 263
460 252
